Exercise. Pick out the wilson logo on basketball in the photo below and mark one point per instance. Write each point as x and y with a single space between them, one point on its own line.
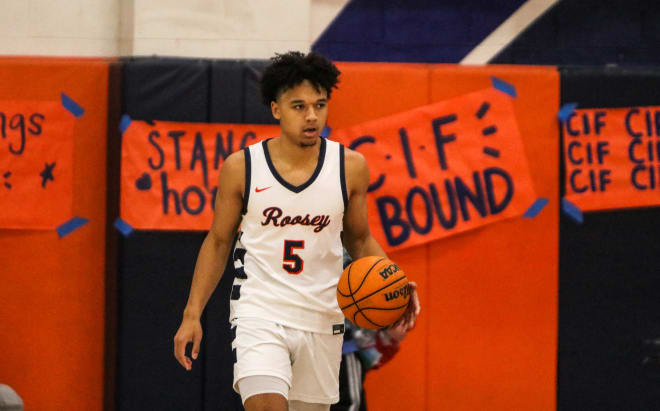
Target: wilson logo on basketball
389 270
401 292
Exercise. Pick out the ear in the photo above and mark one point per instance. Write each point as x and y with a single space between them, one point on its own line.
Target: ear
275 109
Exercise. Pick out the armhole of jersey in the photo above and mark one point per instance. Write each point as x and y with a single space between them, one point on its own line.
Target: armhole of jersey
342 176
248 172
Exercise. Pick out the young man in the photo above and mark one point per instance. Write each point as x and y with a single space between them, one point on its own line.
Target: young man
295 198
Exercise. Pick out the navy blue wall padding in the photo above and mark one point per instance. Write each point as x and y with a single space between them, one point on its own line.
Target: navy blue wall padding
584 32
235 95
153 283
172 89
609 277
590 32
425 31
156 267
226 92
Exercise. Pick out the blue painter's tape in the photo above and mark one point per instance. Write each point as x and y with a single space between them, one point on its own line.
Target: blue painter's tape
566 110
123 227
124 123
71 226
72 106
572 211
349 347
536 208
326 132
504 87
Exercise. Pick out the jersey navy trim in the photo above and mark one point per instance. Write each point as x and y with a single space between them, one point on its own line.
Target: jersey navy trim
342 176
235 292
278 177
248 174
240 273
239 254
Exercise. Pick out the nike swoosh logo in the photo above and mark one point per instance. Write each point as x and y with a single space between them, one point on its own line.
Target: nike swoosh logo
259 190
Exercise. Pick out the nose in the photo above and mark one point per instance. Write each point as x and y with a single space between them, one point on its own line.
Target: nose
311 114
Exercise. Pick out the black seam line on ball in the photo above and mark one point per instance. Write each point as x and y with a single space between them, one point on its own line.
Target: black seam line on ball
377 291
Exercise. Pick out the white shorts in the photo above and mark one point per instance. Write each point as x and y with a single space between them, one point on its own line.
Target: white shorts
308 362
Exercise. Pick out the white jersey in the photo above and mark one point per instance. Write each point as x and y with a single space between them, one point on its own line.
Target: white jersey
288 256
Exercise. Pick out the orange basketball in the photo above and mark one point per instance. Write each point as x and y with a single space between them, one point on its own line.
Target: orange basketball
373 292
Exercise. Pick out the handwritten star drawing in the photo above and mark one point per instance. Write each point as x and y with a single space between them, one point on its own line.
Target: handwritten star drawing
47 174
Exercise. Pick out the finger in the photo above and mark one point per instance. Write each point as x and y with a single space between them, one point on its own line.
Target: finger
405 319
413 310
180 352
401 326
196 343
415 302
411 323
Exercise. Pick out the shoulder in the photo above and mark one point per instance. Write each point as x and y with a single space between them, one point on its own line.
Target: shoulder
232 173
355 162
234 163
356 168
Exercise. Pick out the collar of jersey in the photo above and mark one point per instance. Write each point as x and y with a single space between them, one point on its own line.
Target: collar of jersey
278 177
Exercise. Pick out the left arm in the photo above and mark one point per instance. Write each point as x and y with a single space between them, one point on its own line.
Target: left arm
357 239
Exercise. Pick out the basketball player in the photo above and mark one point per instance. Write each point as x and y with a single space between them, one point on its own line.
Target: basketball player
295 198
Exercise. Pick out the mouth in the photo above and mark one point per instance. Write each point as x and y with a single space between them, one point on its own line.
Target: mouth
310 131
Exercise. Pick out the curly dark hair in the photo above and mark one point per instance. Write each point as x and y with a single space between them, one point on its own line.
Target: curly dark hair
290 69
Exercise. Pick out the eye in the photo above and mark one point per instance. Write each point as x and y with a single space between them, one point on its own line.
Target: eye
297 106
320 105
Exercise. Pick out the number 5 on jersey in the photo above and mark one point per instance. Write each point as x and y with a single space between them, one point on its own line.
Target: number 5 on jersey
293 264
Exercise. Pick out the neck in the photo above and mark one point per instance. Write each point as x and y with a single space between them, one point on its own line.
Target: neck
294 153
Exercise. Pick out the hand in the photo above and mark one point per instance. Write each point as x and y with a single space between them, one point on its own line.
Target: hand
398 331
407 321
190 330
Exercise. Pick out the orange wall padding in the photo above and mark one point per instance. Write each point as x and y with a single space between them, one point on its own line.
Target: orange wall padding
486 337
52 292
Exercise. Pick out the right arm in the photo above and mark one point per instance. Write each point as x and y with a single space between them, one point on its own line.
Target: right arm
212 255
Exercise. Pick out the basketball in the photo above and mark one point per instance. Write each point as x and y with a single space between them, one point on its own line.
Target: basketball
373 292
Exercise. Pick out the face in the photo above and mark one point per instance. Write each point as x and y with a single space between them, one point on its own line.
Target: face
302 111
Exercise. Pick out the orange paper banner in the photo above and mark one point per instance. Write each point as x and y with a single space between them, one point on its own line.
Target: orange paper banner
36 156
612 157
444 168
170 170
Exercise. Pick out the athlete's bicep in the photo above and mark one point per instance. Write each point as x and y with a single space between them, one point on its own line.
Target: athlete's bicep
356 224
229 198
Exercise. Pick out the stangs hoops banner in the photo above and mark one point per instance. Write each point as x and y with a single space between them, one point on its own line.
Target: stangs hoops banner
169 171
437 170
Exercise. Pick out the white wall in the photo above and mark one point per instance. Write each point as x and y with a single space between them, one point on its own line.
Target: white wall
59 27
194 28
